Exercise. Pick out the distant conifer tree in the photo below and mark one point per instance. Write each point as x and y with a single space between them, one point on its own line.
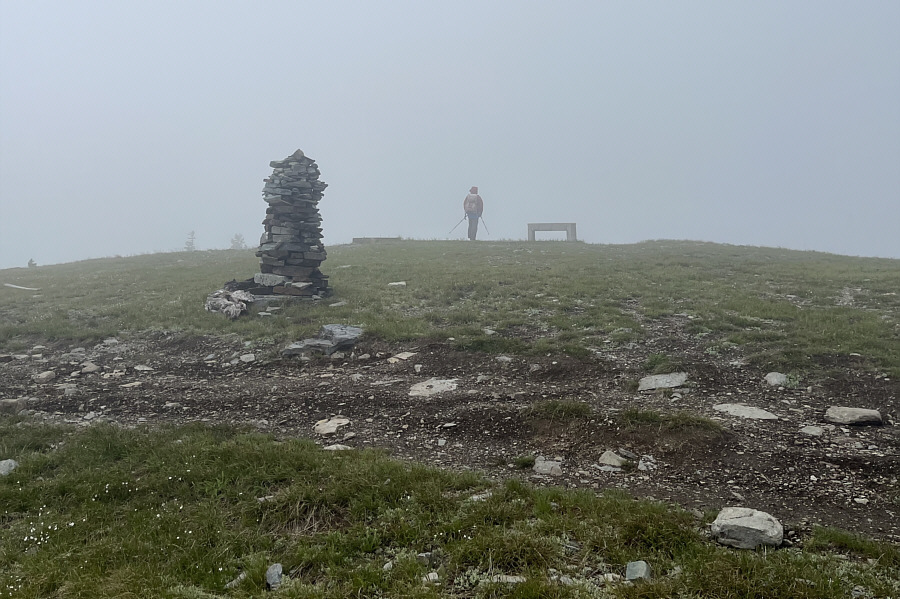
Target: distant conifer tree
237 242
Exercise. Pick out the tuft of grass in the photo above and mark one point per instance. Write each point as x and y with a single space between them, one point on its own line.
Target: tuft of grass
678 421
524 461
557 410
841 541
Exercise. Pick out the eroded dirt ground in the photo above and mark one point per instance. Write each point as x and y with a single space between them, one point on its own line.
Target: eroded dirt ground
847 477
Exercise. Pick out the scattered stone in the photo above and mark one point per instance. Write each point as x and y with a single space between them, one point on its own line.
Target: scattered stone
337 304
431 387
247 358
5 358
273 577
331 338
13 406
545 466
489 332
441 442
240 578
44 377
481 496
628 454
856 416
812 431
388 566
742 411
662 381
746 528
7 466
329 426
607 468
776 379
337 447
230 303
110 341
131 385
507 579
646 463
431 578
503 359
406 355
397 284
343 336
861 500
639 570
610 458
142 368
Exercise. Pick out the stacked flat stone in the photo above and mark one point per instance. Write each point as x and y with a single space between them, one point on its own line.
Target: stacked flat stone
290 251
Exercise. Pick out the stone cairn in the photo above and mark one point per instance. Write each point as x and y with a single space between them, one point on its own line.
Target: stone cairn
290 251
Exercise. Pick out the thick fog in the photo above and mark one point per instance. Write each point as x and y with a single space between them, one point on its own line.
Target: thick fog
126 125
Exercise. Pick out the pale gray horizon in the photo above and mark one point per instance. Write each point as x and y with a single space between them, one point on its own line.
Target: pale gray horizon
124 126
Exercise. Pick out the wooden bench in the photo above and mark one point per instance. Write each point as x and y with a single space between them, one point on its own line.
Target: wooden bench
569 228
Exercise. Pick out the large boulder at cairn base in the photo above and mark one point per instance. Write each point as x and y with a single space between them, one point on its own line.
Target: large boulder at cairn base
745 528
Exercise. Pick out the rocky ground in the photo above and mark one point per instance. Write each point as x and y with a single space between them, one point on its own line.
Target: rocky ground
426 402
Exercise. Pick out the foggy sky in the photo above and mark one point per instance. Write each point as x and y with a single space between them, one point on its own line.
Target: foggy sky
125 125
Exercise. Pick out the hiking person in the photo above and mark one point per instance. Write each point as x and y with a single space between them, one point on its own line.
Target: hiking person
473 207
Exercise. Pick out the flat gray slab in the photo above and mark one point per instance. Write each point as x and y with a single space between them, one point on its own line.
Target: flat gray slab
742 411
662 381
858 416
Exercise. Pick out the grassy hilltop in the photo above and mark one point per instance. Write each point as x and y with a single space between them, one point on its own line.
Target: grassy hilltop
199 511
782 309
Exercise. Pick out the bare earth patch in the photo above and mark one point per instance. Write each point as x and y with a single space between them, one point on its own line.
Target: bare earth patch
837 476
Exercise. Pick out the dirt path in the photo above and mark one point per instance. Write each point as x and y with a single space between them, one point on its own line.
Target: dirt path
845 477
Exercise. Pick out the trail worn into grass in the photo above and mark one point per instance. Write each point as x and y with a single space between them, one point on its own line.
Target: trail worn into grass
505 409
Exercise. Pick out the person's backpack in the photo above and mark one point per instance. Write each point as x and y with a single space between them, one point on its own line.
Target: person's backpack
471 203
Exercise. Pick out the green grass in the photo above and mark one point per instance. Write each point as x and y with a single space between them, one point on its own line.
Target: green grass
784 310
678 421
176 512
559 410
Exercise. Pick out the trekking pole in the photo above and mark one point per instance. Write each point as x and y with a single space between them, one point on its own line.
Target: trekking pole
485 226
456 225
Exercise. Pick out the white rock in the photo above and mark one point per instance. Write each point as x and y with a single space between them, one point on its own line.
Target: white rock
13 405
7 466
44 377
143 368
639 570
431 387
662 381
545 466
812 431
247 358
746 528
89 368
507 579
397 284
742 411
842 415
337 447
329 426
776 379
431 578
611 458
